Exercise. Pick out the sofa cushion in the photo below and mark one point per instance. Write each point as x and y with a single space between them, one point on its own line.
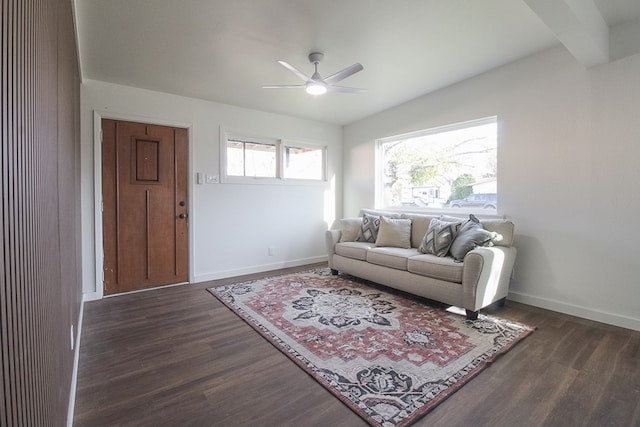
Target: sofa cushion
443 268
501 226
394 232
350 228
391 257
368 228
439 237
419 227
355 250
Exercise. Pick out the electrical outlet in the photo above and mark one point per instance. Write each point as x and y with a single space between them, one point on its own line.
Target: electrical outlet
272 251
212 179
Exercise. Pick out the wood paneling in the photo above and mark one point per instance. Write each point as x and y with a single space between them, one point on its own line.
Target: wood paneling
177 356
40 224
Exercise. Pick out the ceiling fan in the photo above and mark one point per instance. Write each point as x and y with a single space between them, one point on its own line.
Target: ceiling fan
316 85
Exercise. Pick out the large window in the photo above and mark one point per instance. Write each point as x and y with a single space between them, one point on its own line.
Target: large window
451 167
257 160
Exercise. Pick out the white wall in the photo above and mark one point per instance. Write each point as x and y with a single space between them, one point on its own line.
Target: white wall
232 226
569 140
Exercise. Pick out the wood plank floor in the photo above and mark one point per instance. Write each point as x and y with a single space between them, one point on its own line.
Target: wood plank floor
178 357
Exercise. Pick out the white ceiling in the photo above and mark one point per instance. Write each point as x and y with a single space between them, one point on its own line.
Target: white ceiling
225 51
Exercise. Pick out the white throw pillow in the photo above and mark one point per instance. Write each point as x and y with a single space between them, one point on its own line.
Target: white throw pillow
394 232
350 229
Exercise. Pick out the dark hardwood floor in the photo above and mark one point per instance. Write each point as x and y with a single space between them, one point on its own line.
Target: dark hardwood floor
177 357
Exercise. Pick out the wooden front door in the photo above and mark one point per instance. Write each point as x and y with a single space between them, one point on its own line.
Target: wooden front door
145 215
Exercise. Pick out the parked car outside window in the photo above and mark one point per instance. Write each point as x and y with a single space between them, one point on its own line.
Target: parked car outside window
481 200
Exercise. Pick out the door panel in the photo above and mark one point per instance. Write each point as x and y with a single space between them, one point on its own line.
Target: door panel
145 223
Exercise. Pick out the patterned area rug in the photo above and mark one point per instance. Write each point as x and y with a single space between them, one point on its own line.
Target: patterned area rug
390 358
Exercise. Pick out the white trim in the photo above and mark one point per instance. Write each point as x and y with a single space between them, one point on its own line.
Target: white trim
439 129
74 375
91 296
97 190
258 269
97 204
137 291
576 310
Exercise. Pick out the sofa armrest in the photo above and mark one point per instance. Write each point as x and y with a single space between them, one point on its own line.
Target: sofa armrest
486 275
331 237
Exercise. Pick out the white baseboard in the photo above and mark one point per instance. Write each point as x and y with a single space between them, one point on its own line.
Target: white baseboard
91 296
257 269
74 375
576 310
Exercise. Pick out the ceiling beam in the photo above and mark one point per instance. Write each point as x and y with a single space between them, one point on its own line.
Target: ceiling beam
578 25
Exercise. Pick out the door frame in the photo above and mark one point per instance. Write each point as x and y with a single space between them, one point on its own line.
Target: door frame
98 115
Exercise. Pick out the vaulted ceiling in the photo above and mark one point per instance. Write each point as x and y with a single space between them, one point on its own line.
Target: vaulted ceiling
225 51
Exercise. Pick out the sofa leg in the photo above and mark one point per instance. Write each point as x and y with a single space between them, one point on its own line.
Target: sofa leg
471 315
334 272
502 302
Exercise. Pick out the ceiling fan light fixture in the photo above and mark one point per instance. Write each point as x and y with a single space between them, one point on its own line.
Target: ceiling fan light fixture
315 88
315 85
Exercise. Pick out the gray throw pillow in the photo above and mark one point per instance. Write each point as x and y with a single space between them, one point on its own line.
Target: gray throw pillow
369 228
470 236
439 237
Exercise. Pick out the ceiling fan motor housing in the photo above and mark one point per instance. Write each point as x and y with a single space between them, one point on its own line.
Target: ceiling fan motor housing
315 57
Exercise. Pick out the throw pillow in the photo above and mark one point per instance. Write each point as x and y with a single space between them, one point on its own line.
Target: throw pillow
472 222
368 228
439 237
470 236
394 232
350 229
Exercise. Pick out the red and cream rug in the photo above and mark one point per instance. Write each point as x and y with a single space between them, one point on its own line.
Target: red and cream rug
390 358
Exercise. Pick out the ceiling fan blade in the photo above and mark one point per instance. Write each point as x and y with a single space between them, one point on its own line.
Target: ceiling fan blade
332 88
295 71
344 73
284 87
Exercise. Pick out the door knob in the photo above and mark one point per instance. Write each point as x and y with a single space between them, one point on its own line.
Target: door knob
183 216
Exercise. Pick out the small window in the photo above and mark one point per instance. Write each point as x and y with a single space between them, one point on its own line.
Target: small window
303 163
252 159
450 168
257 160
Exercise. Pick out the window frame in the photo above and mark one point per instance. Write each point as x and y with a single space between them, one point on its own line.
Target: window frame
280 145
379 191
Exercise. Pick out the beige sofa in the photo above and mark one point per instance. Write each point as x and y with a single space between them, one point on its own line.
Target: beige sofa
475 282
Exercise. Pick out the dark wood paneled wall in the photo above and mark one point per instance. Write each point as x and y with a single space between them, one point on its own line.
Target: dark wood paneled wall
40 284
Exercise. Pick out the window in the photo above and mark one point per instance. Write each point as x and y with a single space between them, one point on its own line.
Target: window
303 163
449 168
254 159
258 160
